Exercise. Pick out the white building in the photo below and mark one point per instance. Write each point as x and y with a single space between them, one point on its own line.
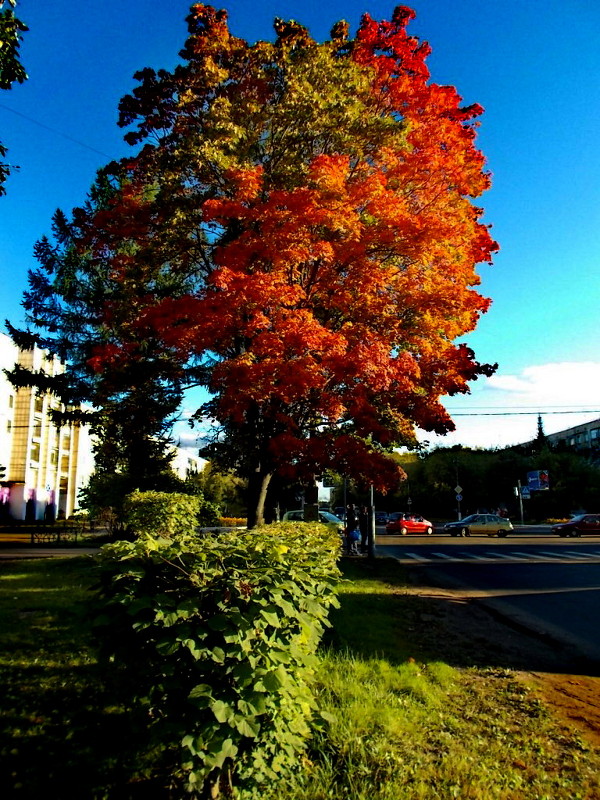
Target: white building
44 466
186 463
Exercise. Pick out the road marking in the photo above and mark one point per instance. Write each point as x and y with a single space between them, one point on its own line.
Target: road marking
502 555
581 555
513 555
518 554
476 558
558 555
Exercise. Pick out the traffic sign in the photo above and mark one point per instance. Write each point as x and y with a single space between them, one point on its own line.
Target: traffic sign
459 497
458 489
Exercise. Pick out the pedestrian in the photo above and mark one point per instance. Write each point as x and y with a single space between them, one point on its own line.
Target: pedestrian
352 540
363 526
351 517
351 530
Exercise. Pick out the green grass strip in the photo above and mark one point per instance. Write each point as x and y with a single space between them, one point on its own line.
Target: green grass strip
396 723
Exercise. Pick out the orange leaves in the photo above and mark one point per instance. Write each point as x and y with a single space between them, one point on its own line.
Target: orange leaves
324 193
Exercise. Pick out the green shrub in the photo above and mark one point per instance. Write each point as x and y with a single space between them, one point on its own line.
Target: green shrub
215 637
167 514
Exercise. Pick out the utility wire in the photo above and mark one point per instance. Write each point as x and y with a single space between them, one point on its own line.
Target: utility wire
517 413
57 132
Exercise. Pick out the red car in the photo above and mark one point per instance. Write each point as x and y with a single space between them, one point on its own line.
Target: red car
582 523
401 522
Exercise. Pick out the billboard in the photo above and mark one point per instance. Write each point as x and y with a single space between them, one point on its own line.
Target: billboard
538 480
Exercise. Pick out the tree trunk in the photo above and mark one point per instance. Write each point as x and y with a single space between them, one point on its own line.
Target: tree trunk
257 494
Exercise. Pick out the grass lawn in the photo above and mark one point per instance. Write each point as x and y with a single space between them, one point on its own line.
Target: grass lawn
399 722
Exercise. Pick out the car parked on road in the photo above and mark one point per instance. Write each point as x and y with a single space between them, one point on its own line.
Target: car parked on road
326 517
403 522
582 523
491 524
381 517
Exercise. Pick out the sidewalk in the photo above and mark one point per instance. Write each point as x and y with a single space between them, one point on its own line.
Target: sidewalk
15 553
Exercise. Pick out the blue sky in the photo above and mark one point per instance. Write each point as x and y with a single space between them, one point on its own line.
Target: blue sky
533 65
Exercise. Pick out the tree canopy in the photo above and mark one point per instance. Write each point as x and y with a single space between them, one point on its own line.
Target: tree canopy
321 194
78 304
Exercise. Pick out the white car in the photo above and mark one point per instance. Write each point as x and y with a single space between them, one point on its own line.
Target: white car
326 517
492 524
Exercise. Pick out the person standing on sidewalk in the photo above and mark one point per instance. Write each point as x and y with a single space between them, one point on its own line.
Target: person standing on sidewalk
363 525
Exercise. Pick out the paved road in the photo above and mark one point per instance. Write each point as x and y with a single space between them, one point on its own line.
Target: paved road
548 584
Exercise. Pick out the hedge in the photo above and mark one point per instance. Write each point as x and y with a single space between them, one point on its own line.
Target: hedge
214 638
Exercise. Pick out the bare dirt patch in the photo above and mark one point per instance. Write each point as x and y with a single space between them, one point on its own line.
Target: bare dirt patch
459 630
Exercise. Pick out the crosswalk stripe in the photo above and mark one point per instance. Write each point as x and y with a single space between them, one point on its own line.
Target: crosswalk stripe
500 555
523 555
513 555
557 555
475 557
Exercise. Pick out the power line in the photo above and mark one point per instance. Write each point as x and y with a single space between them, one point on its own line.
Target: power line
517 413
540 409
57 132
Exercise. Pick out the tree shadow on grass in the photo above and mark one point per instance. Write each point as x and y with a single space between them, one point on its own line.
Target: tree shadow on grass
63 736
399 624
65 729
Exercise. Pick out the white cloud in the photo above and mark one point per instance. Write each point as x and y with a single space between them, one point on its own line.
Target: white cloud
566 383
502 410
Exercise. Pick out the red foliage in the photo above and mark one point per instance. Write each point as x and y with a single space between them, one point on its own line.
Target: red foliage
335 278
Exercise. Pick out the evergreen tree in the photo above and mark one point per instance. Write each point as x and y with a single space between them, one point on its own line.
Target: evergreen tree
83 304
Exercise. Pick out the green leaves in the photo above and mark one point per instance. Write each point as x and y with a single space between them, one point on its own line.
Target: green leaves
224 674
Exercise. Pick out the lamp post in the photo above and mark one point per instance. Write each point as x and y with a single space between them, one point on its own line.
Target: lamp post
519 493
371 526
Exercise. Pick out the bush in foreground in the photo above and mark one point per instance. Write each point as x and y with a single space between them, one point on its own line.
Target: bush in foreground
214 639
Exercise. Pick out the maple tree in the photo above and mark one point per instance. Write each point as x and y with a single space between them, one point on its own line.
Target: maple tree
322 196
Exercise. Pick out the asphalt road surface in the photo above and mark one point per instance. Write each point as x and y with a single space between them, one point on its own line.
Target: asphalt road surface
548 584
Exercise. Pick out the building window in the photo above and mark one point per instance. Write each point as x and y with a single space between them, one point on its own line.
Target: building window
9 425
37 427
11 401
35 451
39 404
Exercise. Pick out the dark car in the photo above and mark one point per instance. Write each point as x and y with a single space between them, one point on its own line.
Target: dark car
582 523
381 517
403 523
492 524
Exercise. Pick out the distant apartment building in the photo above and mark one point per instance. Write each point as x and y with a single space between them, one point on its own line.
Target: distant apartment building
44 466
580 437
